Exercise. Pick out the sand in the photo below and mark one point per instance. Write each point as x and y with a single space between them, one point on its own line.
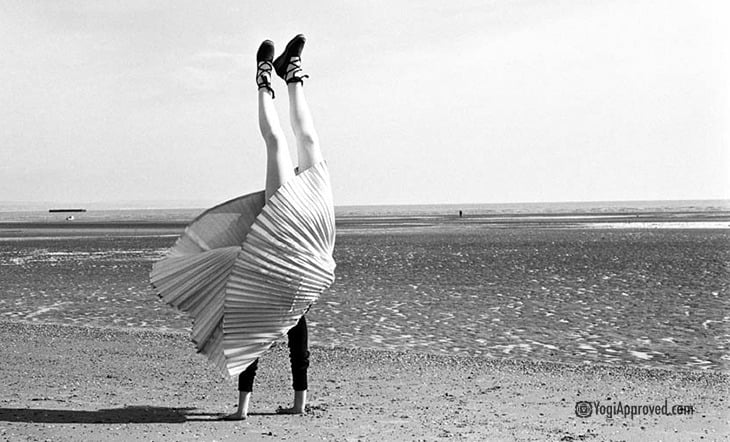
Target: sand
64 382
623 315
645 298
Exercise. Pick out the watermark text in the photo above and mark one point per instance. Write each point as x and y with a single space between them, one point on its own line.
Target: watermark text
596 408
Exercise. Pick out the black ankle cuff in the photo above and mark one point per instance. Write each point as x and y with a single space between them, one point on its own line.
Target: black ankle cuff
297 79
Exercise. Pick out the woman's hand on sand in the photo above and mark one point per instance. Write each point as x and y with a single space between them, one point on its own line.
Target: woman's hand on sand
300 403
237 416
290 410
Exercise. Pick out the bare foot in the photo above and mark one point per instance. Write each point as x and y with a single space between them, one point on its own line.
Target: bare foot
233 417
290 410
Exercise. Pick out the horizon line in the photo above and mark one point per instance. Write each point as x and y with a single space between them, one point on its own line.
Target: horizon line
200 204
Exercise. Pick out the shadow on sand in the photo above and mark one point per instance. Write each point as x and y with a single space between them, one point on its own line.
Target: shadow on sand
130 414
207 417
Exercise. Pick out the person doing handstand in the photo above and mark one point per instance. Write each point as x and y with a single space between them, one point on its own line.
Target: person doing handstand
279 170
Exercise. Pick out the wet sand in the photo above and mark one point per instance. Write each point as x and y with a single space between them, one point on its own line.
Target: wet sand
645 297
69 383
468 311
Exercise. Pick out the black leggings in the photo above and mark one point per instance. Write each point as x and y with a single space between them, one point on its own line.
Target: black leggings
298 354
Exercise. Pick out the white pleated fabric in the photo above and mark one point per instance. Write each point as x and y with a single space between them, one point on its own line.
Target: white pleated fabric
246 272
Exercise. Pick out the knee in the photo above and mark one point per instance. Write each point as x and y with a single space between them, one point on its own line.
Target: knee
274 140
308 139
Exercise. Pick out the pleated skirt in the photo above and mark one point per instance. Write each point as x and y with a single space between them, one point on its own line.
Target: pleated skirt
246 271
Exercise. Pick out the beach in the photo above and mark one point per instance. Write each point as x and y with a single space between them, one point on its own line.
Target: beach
487 327
68 383
548 289
501 220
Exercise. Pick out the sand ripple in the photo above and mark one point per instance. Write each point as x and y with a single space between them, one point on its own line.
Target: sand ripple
647 299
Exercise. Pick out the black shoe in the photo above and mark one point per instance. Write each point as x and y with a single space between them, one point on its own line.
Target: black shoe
265 52
264 56
288 65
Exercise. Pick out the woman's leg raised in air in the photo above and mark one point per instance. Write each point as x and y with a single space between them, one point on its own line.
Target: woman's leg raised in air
279 167
288 66
308 150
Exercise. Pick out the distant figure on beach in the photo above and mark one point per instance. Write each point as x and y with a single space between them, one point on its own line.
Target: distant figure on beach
461 213
274 262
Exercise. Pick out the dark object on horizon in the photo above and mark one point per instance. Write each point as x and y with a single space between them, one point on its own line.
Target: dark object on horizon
461 213
65 210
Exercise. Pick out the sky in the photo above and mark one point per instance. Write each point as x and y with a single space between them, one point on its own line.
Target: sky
415 102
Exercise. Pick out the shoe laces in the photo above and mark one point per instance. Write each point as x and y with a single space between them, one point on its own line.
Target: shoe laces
294 70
